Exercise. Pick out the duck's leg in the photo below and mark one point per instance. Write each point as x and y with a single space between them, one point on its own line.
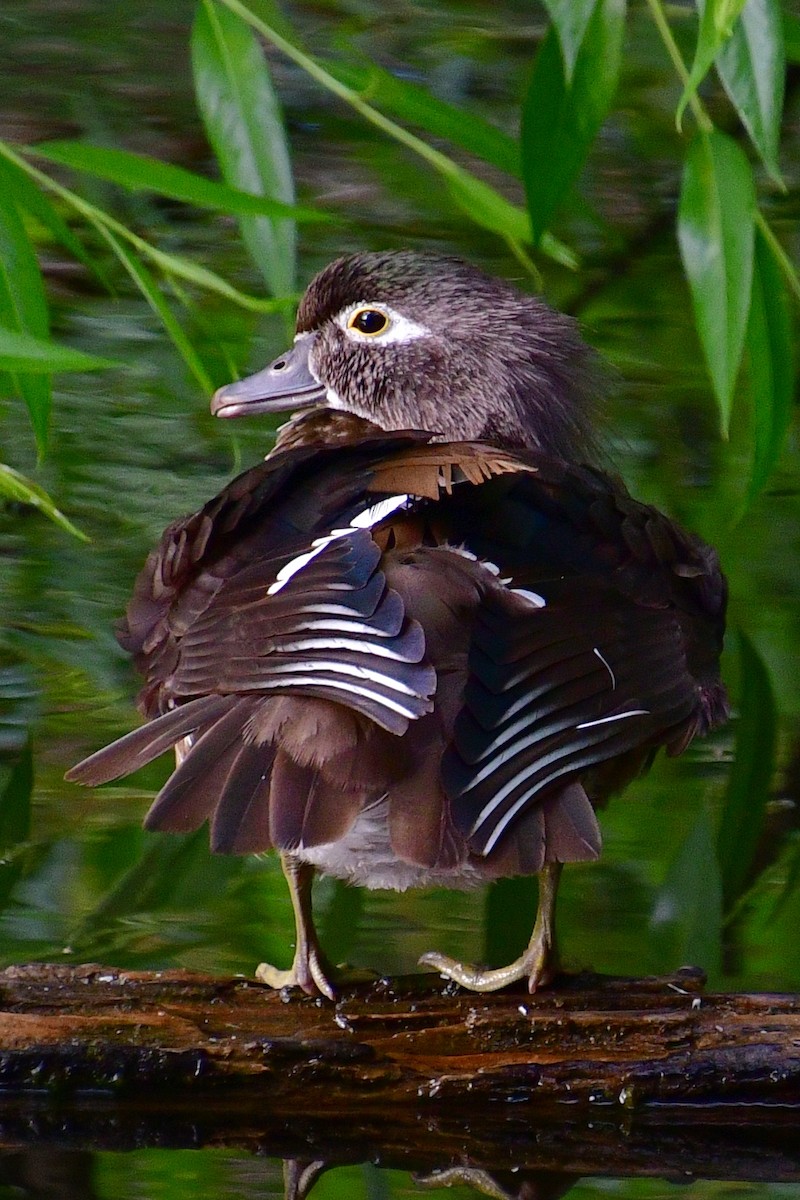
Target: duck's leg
539 962
310 969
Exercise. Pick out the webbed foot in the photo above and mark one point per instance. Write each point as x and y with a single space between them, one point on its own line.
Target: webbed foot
306 972
310 969
539 963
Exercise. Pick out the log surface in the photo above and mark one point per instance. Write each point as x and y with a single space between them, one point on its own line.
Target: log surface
644 1076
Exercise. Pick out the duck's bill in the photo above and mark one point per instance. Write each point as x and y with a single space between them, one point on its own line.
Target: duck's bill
287 383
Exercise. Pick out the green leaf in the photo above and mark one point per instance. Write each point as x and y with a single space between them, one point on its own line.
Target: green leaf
752 67
480 202
687 914
791 34
561 119
487 207
141 173
30 197
716 234
717 18
192 272
415 105
245 127
152 294
791 277
770 348
747 794
23 491
170 264
22 352
23 306
571 19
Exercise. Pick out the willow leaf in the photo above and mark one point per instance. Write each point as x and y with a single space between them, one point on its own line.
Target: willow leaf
752 67
716 224
171 264
415 105
479 201
22 305
717 19
16 487
142 173
561 116
571 20
22 352
152 294
245 126
35 201
770 365
791 36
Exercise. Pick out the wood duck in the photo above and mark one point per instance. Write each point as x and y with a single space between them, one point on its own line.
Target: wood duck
423 640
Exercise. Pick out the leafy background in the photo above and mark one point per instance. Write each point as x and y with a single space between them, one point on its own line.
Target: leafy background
169 180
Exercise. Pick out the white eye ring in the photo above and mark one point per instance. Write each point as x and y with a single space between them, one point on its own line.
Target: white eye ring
369 316
398 328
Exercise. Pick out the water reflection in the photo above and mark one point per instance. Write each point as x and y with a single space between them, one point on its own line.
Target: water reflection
115 1163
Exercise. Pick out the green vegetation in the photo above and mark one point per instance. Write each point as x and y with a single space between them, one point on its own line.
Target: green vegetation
738 273
685 278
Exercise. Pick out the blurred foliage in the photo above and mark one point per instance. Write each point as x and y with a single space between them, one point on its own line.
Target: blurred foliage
573 84
638 165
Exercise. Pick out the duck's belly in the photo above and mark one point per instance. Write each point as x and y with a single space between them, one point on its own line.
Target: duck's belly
364 856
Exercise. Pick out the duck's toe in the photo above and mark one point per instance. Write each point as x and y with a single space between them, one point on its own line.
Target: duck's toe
306 972
539 965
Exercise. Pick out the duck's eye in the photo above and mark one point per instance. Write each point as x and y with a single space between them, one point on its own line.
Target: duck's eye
369 321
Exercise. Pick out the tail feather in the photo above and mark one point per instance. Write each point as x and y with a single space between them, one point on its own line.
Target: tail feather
571 831
192 792
563 828
523 851
186 801
142 745
240 823
308 810
421 826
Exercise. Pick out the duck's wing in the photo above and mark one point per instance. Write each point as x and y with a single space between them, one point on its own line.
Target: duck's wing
302 621
274 586
555 694
250 534
595 641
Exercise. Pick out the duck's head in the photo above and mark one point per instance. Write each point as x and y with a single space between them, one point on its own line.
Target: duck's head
417 341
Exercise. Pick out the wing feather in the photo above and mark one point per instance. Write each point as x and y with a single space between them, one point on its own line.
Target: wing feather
367 578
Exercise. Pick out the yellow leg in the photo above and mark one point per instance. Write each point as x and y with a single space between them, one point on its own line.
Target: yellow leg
539 962
309 970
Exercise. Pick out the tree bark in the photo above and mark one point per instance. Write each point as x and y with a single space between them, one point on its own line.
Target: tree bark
594 1075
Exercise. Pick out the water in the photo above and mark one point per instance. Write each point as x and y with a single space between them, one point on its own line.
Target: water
135 447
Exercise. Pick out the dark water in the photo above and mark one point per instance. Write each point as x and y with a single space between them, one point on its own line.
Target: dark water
133 448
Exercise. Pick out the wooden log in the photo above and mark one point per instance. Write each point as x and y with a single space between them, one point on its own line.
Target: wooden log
597 1075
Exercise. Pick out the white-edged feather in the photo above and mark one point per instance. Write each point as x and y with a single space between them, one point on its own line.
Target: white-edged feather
634 712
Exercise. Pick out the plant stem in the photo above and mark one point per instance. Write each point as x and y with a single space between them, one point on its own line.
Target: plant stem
168 263
704 122
486 206
778 253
